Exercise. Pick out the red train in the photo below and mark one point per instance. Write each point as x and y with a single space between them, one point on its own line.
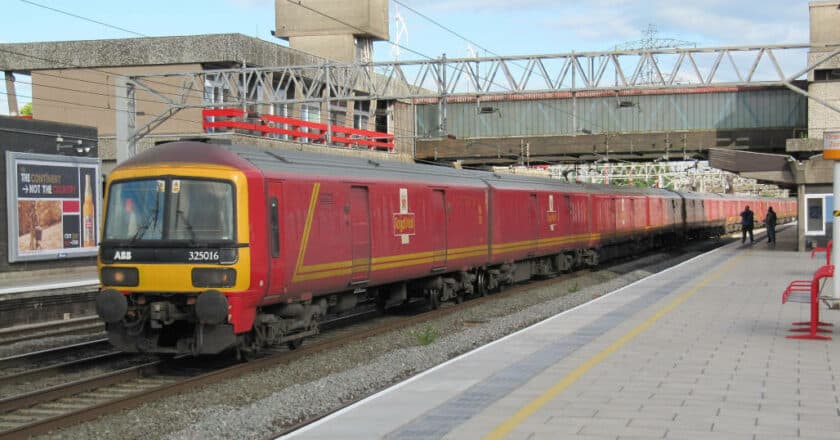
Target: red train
209 247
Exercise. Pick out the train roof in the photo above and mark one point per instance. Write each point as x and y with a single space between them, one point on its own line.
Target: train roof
272 160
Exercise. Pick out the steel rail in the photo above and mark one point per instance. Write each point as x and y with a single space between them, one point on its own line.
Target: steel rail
48 371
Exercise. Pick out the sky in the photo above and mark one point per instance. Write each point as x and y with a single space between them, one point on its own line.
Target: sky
493 27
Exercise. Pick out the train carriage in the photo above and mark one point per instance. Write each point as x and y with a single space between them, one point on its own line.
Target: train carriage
207 247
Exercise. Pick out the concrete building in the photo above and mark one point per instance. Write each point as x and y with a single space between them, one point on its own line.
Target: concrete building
814 177
823 80
337 30
77 82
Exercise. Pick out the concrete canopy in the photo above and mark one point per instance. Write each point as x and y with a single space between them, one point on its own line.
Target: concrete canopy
780 169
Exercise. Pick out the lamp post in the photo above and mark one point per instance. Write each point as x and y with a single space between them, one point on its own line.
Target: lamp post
831 151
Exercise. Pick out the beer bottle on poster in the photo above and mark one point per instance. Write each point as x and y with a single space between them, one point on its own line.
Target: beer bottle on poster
87 217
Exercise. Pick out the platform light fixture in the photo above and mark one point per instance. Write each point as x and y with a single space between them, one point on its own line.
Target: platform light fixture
78 146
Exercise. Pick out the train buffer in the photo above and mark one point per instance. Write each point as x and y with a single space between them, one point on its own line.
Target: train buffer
807 291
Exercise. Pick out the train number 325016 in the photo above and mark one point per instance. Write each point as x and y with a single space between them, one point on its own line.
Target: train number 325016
203 256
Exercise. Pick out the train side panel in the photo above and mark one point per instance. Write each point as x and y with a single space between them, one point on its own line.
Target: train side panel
515 224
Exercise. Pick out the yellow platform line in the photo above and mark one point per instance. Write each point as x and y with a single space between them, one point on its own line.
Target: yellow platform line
532 407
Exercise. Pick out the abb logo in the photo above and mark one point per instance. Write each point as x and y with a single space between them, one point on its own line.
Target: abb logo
122 255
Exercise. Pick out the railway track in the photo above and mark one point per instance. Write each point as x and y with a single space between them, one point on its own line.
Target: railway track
62 369
68 404
26 361
84 400
79 326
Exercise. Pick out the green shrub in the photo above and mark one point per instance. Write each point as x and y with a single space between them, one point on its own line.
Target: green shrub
426 335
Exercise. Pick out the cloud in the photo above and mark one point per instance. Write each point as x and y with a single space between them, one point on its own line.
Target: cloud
725 26
609 22
252 3
437 6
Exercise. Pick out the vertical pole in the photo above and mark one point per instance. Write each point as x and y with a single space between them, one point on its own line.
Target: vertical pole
443 92
11 95
328 104
835 230
831 151
574 98
126 146
243 91
801 216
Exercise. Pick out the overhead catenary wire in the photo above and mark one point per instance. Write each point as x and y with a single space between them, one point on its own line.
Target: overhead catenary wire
83 18
345 23
298 3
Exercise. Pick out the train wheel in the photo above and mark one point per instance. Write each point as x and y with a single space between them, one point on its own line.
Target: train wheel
434 299
295 344
380 303
481 283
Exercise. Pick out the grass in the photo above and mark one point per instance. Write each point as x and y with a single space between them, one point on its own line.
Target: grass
574 288
426 335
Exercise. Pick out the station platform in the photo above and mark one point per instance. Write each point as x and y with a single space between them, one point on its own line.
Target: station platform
696 352
40 296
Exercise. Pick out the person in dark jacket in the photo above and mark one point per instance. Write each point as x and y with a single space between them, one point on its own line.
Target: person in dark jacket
770 223
747 222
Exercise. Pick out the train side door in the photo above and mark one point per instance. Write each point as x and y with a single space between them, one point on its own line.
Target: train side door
276 269
533 223
360 232
438 226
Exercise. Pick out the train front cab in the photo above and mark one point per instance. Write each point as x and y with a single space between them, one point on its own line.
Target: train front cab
175 259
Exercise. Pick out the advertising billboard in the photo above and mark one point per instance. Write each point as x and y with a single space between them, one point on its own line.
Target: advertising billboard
53 206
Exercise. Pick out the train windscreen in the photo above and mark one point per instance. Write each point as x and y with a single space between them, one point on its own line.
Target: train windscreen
191 210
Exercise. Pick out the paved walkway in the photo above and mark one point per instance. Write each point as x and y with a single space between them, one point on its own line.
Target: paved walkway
50 279
696 352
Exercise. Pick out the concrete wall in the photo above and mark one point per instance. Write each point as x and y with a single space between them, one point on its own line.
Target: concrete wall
367 18
87 97
403 128
824 22
341 48
825 17
820 117
215 49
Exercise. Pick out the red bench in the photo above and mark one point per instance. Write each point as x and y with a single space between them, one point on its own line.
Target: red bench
826 249
803 291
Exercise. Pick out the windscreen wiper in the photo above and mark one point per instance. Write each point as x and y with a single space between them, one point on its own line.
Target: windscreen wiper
150 221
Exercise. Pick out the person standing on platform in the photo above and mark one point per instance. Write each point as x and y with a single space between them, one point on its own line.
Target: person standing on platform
770 222
747 222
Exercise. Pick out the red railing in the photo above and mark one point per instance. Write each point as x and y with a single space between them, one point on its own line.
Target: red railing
296 129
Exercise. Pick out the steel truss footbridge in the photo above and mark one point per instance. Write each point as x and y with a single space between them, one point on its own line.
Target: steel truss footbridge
443 81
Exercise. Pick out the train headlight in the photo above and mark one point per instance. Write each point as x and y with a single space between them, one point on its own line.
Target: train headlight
120 276
213 277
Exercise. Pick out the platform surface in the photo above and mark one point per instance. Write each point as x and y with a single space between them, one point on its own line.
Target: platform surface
46 280
696 352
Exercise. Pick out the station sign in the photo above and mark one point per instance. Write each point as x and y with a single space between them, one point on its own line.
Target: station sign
53 206
831 145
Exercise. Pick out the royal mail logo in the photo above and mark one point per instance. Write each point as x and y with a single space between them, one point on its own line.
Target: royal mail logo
404 224
404 221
